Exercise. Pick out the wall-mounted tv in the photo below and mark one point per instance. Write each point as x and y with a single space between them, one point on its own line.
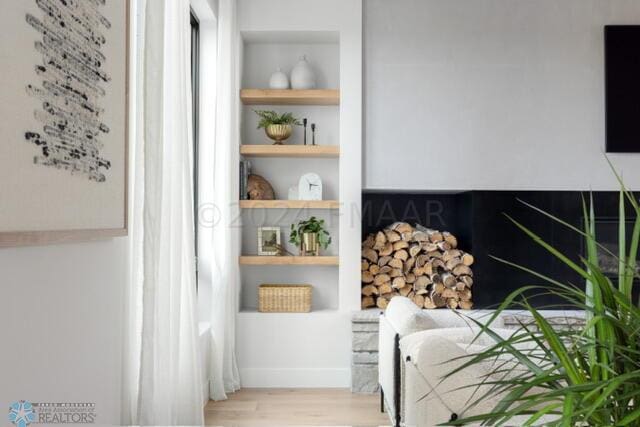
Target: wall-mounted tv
622 88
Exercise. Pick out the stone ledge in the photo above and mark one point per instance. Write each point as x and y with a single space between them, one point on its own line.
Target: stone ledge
364 378
369 315
365 341
365 358
364 327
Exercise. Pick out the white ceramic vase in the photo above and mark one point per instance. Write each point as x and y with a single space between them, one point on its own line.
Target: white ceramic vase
302 75
279 80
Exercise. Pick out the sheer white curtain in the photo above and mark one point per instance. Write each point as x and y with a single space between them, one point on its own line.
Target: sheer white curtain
162 383
225 232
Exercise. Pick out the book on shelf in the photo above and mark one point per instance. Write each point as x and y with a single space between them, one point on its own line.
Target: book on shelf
245 170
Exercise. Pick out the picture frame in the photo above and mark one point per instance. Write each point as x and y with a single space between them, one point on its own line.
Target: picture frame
64 171
269 240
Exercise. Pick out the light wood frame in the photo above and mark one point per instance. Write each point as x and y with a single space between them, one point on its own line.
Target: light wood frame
278 232
32 238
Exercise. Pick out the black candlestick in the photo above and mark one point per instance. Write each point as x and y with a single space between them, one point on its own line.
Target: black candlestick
304 122
313 134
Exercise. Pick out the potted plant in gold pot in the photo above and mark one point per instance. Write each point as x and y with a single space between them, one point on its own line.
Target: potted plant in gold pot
278 127
310 235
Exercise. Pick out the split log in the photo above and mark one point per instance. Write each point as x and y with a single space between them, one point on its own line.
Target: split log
401 227
429 247
438 288
421 260
381 278
396 263
398 282
386 250
450 254
414 250
385 269
392 236
382 303
367 277
462 270
452 303
465 295
400 244
374 269
370 290
421 282
450 239
370 254
382 261
437 263
428 303
396 272
385 288
443 246
467 280
364 265
380 240
401 254
408 265
448 279
452 263
466 305
405 291
438 301
467 259
368 242
449 293
368 302
418 300
420 236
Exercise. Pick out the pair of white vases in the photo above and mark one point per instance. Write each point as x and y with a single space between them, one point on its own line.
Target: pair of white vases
302 77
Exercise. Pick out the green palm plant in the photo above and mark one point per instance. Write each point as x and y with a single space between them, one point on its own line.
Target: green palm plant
576 377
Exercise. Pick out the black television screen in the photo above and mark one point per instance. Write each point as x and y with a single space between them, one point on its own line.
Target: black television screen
622 88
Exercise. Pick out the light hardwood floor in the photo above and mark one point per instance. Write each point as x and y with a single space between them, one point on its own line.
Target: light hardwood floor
296 407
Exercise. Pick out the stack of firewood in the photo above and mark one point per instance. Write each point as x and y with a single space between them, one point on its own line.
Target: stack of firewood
422 264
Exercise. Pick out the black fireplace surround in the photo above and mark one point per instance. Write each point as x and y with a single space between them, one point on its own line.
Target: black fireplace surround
477 219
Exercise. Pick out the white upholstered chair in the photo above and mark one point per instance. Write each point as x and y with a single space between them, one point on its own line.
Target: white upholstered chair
402 319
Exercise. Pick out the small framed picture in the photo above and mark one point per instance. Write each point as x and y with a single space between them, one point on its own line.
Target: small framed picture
268 240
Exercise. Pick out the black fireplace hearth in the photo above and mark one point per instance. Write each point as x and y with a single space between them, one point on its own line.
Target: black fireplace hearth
478 219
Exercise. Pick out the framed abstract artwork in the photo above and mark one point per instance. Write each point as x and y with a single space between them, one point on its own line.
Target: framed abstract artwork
63 120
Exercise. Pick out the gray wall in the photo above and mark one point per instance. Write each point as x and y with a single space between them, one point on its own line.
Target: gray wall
489 94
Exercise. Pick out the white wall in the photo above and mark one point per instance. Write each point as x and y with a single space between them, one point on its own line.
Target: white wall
489 94
61 318
61 324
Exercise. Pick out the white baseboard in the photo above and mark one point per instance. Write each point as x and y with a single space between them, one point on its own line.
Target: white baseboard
296 378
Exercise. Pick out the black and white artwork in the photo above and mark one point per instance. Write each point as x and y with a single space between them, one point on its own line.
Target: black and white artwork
63 154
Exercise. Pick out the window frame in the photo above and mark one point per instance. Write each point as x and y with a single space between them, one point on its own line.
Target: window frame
195 104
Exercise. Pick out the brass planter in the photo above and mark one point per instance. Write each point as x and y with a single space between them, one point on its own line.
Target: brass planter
310 244
278 133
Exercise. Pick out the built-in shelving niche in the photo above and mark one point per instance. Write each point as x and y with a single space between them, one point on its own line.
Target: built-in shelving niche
264 53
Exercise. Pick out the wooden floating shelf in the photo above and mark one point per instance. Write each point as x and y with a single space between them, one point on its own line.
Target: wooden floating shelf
290 150
289 204
290 96
289 260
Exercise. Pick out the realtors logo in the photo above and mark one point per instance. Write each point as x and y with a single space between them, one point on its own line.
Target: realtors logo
23 413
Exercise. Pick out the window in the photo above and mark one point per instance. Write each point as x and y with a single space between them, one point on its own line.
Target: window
195 89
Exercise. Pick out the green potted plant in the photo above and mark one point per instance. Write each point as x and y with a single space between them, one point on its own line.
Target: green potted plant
587 376
310 235
277 126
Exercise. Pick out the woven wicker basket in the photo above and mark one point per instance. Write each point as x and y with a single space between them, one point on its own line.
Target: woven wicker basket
284 298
